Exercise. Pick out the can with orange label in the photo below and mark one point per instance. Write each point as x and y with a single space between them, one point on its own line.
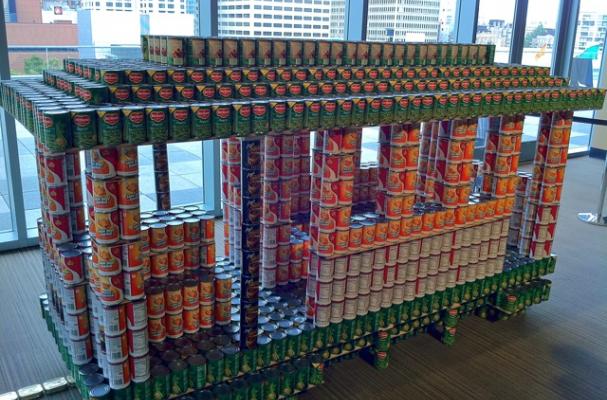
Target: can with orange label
105 194
157 329
128 192
129 223
206 316
223 312
174 325
159 265
133 284
158 237
110 289
107 227
127 161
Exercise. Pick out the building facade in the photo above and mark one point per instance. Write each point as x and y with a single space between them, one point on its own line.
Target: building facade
403 20
274 18
139 6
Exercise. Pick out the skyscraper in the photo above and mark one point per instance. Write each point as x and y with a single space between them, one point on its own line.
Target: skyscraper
403 20
274 18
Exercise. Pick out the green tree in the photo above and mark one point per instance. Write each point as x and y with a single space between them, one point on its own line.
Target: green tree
35 65
538 31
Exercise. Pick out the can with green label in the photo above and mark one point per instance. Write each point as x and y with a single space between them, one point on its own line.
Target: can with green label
84 128
254 386
161 382
122 394
179 377
381 360
294 337
359 111
302 367
344 112
109 126
328 113
197 371
264 351
142 390
317 366
248 360
271 384
157 123
320 337
334 334
215 366
279 346
179 122
222 392
202 126
231 361
278 115
295 118
288 377
260 119
312 114
373 108
133 124
239 390
222 119
242 118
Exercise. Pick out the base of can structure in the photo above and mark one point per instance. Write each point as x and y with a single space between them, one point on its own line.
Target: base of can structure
300 366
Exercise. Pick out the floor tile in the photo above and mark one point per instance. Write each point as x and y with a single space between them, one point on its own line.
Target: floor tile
185 167
182 156
188 196
31 200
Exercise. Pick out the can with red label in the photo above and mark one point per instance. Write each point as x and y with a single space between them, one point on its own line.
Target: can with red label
133 284
56 170
136 314
105 194
110 289
107 227
58 199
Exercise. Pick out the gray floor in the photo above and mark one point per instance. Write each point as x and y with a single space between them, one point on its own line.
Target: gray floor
558 350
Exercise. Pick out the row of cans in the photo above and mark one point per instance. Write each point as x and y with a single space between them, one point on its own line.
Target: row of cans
137 72
373 231
247 52
265 87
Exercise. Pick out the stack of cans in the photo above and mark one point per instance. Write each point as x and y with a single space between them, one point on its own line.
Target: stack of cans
520 203
300 190
252 215
61 194
539 217
280 187
450 179
161 176
231 198
333 171
398 162
365 187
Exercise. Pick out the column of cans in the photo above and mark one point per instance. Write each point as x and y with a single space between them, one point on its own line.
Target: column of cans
501 181
395 198
424 185
117 275
251 184
520 203
539 218
231 198
279 184
161 176
365 179
299 255
453 161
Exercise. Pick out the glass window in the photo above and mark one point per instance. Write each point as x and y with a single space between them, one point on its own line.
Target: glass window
403 21
540 32
586 62
6 221
495 19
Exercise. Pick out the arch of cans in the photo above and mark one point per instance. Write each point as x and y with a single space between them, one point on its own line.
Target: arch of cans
324 254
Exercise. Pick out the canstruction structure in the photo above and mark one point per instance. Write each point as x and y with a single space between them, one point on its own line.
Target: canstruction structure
325 256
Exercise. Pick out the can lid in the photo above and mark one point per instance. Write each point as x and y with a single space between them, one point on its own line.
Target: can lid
230 350
278 335
169 356
100 391
205 346
196 360
160 371
93 379
293 331
263 340
178 365
214 355
88 369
